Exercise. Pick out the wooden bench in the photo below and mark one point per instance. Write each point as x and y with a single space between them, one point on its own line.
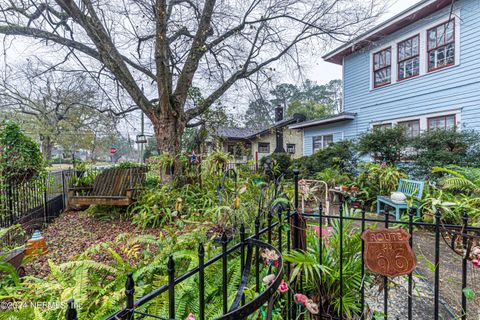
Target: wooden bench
411 188
114 187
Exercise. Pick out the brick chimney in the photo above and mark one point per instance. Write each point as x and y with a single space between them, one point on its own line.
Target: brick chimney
279 131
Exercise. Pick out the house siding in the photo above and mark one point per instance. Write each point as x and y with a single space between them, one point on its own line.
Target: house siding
290 136
453 88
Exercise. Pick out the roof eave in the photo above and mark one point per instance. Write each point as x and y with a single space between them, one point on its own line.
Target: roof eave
343 117
404 18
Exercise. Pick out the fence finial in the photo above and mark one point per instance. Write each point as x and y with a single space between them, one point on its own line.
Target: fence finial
201 249
71 313
130 290
224 237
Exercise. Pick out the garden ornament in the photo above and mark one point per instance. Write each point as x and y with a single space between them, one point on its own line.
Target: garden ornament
388 253
399 197
36 245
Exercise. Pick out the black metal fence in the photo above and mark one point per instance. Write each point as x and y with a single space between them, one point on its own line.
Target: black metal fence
279 230
36 201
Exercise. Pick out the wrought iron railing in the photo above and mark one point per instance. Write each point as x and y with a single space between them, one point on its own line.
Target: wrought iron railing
281 238
36 201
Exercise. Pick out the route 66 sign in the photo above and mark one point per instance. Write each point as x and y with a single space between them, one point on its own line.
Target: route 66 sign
387 252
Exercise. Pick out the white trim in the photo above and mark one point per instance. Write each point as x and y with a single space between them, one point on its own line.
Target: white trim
393 44
399 17
424 118
322 121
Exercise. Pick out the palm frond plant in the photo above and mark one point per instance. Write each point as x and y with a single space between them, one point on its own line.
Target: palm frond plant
322 278
464 180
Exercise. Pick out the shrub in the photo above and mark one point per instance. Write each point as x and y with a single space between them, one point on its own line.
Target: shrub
340 156
20 156
445 147
384 145
333 177
374 180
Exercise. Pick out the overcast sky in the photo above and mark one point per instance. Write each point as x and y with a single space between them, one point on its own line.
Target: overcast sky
314 67
322 71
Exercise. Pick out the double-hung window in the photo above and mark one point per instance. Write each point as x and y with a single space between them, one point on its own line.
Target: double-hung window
412 127
321 142
382 67
441 46
442 122
408 58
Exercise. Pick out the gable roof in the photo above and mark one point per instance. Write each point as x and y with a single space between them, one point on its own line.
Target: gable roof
247 133
414 13
235 133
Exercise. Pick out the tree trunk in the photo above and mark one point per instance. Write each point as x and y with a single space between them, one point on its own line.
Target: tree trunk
168 133
47 147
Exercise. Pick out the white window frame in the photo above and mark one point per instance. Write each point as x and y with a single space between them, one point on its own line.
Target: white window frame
265 143
294 148
323 141
422 53
423 118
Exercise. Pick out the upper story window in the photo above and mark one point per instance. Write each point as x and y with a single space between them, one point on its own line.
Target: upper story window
408 57
382 68
441 46
442 122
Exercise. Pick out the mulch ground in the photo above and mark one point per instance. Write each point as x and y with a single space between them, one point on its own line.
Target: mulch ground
74 232
450 273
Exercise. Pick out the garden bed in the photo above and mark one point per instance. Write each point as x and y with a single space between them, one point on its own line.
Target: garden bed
74 232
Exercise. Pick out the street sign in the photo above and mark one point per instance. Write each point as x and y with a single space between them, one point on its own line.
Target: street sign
113 150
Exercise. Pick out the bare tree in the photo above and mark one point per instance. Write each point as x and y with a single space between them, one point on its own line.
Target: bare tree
174 46
62 109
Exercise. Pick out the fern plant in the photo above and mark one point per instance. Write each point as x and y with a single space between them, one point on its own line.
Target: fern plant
464 180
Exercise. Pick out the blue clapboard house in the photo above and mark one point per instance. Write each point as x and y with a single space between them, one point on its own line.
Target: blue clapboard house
419 69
